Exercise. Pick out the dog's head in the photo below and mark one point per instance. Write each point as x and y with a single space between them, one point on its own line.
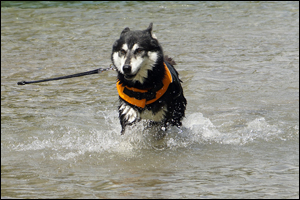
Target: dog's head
136 52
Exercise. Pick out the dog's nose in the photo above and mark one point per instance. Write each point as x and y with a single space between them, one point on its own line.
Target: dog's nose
127 69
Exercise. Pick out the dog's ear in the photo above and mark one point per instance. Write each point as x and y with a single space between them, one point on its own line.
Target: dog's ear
149 29
125 30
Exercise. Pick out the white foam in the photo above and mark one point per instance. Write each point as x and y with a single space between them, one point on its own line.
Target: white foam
69 143
203 130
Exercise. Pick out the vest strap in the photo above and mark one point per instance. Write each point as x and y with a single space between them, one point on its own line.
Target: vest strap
141 98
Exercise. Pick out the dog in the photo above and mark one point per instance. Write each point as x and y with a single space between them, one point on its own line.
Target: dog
148 85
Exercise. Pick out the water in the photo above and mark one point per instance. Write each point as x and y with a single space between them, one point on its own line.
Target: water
239 62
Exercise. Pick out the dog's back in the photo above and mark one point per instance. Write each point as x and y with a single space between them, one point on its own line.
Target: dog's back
174 98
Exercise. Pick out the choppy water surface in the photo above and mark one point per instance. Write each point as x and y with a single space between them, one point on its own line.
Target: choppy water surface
239 63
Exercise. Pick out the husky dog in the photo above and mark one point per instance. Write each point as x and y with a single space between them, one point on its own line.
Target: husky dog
148 84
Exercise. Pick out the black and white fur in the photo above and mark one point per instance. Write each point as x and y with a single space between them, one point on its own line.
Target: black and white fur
138 58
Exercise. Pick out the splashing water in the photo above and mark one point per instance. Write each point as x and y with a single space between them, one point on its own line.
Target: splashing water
196 129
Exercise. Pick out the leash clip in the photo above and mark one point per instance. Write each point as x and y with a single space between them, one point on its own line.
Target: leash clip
112 67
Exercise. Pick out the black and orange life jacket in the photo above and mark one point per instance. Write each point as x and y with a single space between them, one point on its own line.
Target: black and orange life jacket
141 98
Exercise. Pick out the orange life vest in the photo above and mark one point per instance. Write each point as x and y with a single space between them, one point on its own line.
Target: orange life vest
142 100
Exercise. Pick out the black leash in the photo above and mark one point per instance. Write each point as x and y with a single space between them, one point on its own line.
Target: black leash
96 71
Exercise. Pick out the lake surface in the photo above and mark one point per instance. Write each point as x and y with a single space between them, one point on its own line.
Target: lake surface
239 63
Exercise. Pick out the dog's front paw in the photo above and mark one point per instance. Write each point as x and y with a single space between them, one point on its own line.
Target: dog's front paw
128 113
131 115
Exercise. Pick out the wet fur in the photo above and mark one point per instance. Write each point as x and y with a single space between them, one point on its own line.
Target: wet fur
139 59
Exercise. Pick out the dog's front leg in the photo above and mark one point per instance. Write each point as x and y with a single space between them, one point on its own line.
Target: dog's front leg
128 115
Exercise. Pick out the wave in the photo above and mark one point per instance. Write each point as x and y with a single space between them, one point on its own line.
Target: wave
68 142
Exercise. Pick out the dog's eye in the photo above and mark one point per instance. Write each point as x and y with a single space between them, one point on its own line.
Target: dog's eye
123 52
139 50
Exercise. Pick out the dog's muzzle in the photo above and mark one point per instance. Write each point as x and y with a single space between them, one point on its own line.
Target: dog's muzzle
127 72
127 69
